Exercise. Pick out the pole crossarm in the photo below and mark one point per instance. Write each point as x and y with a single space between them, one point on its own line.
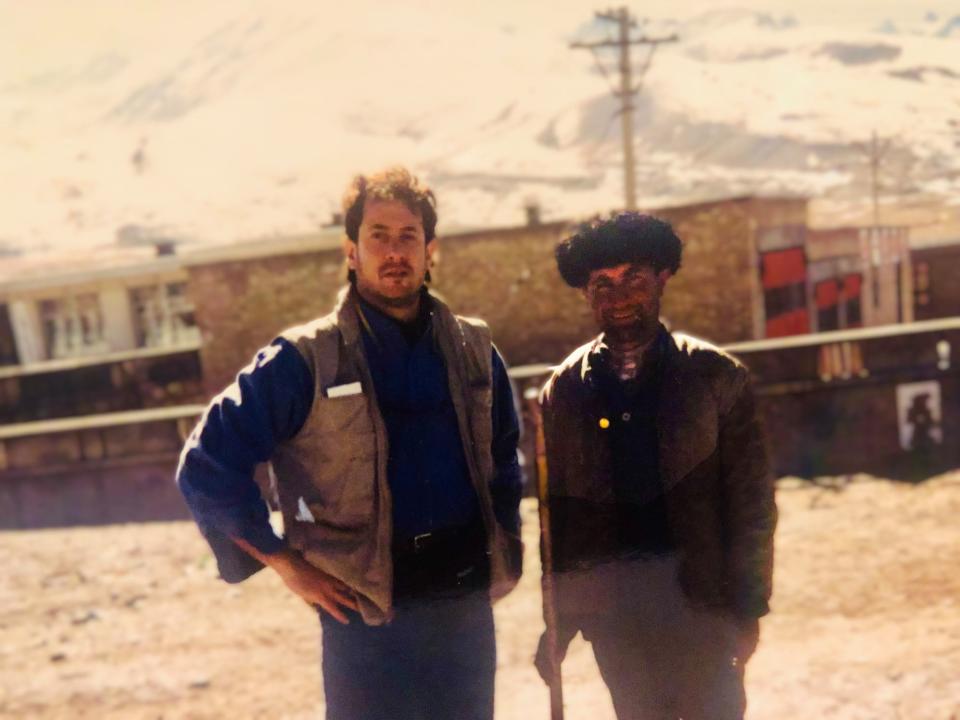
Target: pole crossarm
617 43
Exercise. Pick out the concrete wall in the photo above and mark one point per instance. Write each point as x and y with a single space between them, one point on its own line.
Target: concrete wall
117 317
90 476
848 425
147 382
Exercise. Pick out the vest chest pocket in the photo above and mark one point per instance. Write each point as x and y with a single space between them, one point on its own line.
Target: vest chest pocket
350 414
344 446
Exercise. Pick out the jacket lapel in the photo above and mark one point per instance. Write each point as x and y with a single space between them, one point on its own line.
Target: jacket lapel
686 418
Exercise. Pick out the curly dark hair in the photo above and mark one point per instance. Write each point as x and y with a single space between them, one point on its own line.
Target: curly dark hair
394 183
627 237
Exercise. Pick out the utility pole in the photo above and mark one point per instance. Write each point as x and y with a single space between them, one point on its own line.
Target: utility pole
627 90
875 152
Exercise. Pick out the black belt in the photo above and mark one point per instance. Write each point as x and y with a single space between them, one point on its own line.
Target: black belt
446 561
461 536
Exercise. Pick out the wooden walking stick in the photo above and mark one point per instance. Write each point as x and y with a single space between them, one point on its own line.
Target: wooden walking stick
555 680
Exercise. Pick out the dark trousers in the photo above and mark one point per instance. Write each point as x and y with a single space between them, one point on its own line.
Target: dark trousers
662 659
434 661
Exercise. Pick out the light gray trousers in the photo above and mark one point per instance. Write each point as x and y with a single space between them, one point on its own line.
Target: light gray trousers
660 658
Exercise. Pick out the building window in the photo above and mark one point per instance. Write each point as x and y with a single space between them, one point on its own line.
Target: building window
73 326
852 288
921 283
828 310
163 315
782 300
784 275
838 303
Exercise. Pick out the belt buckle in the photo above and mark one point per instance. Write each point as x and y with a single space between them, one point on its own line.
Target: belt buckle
419 541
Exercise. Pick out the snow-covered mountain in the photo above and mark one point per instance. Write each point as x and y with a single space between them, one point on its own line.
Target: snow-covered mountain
220 121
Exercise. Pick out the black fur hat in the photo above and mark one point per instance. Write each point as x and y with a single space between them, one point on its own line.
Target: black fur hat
627 237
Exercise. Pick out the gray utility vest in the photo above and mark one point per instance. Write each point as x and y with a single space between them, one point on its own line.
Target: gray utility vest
335 468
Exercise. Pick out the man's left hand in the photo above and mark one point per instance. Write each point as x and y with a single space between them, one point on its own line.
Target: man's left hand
748 635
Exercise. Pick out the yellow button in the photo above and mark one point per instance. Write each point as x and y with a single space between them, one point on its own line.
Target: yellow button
604 423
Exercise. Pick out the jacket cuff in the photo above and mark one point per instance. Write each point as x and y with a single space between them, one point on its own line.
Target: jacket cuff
235 564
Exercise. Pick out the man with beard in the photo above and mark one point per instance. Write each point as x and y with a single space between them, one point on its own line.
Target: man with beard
661 499
391 430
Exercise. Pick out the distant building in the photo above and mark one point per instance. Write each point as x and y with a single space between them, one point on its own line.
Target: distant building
100 380
752 269
850 401
744 277
100 331
75 307
936 275
744 272
106 358
859 277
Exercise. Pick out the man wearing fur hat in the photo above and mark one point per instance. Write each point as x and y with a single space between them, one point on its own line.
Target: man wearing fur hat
392 434
660 493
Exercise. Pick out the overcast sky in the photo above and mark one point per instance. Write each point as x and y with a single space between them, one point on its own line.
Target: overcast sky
41 35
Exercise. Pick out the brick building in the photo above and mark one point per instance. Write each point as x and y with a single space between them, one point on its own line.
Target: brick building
245 294
509 277
730 288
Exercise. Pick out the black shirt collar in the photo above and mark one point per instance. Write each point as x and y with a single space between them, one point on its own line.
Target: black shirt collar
599 366
376 321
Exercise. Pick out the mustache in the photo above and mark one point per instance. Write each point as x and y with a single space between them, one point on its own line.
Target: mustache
393 267
634 312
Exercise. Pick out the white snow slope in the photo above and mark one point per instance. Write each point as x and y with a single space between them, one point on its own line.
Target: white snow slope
220 120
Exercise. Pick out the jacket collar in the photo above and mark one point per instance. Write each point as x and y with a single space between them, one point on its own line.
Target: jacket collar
350 322
597 357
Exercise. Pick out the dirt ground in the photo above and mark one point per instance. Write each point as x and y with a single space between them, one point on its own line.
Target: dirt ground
131 622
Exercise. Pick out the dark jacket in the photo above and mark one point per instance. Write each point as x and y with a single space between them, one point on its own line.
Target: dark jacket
717 485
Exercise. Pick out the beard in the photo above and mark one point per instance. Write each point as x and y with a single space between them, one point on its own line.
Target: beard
394 301
384 294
